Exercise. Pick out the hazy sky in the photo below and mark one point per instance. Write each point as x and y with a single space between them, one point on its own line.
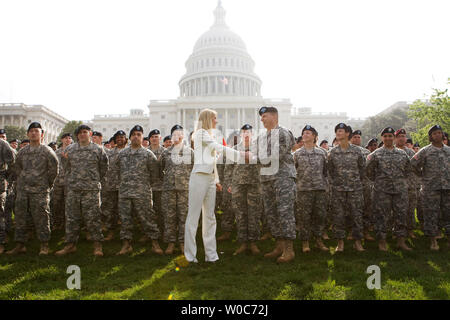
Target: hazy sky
88 57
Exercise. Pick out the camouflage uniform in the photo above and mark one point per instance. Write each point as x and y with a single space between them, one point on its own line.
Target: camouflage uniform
246 196
110 192
10 198
311 201
413 181
346 171
157 191
137 169
36 169
367 191
228 215
86 167
390 171
7 158
433 165
176 167
278 182
59 194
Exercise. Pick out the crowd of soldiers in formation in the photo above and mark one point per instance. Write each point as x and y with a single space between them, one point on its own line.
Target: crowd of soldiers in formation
346 189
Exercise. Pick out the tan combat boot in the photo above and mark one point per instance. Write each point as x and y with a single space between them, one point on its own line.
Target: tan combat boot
254 249
98 249
325 236
156 248
277 251
2 248
225 236
69 248
340 246
20 248
305 247
126 248
358 246
288 253
402 245
170 248
182 247
266 236
241 249
368 237
382 245
144 239
434 244
321 246
44 249
110 235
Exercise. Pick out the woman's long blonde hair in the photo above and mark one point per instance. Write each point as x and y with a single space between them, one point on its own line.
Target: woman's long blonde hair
205 120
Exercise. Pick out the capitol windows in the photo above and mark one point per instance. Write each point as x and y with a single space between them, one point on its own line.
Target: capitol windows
213 63
207 62
163 116
226 62
232 62
201 64
220 61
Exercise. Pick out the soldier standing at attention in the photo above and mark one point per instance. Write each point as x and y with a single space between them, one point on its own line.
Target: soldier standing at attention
432 163
346 165
413 181
110 193
246 195
176 166
136 166
59 190
7 158
86 167
390 169
36 169
311 207
277 176
155 147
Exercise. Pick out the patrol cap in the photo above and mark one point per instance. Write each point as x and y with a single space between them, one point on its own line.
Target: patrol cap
167 138
310 128
373 140
387 130
341 126
416 145
436 127
357 133
175 127
153 132
2 131
34 125
136 128
67 134
146 139
400 131
409 140
112 139
82 127
52 144
265 109
322 142
246 127
97 134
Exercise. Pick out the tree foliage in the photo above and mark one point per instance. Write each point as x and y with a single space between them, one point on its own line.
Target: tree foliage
14 132
70 128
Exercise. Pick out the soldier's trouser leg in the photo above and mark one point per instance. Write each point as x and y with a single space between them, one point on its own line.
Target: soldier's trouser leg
312 212
182 211
34 205
433 202
2 218
9 208
383 205
58 209
157 208
110 209
73 216
445 205
228 215
411 210
246 200
367 212
169 210
239 204
91 209
400 214
353 200
419 205
141 208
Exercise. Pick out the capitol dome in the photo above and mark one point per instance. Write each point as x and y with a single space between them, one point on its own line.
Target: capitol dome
220 64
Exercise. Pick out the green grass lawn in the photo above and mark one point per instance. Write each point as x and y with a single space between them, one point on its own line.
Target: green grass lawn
420 274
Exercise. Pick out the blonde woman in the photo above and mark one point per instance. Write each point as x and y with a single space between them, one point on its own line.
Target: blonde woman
202 186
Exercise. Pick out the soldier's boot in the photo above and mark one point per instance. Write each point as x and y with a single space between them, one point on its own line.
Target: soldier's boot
170 248
182 247
367 236
305 247
69 248
321 246
88 236
44 249
288 252
325 236
277 251
110 235
126 248
2 248
98 249
241 249
266 236
225 236
254 249
340 246
358 246
382 245
143 239
156 248
20 248
402 245
434 244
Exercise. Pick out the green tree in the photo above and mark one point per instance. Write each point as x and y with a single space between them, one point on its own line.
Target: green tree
435 110
14 132
70 128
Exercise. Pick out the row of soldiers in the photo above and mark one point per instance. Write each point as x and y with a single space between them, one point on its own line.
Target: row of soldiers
341 181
